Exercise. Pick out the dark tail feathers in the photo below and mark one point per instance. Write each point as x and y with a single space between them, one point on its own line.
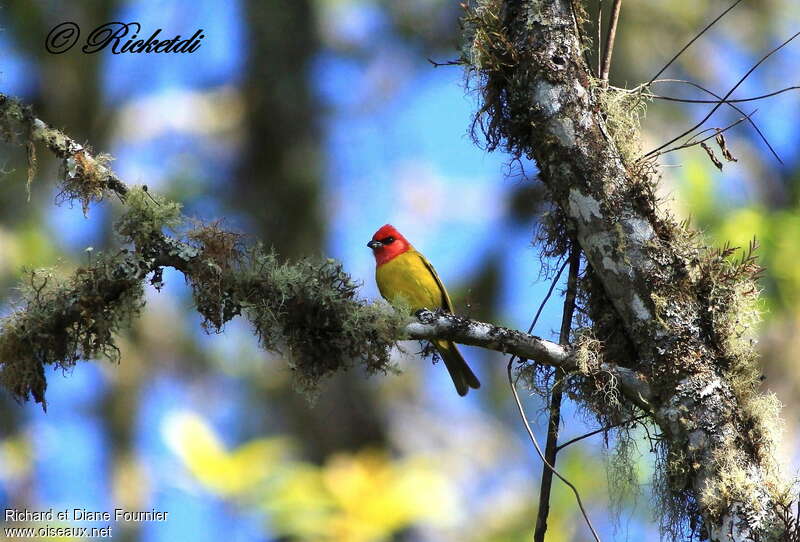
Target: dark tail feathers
462 375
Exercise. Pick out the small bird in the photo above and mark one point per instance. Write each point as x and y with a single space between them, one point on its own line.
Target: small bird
404 276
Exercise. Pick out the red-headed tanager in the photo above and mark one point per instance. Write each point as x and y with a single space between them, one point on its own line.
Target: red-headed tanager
406 278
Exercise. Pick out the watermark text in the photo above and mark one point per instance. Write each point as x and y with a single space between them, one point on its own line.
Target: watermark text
120 38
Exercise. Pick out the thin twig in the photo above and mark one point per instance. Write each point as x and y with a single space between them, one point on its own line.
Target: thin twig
694 39
612 34
718 100
579 32
730 103
572 289
599 36
521 410
457 62
601 430
556 396
553 284
691 143
724 99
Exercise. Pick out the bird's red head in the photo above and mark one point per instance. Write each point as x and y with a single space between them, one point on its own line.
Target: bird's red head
387 243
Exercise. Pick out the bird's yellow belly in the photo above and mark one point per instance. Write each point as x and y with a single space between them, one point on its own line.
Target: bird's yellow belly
406 280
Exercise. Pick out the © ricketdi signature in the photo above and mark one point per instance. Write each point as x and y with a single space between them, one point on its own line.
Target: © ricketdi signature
119 38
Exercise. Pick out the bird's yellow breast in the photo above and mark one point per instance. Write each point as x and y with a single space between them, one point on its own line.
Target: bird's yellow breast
408 279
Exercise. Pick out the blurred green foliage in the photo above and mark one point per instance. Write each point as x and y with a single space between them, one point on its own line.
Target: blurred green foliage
354 468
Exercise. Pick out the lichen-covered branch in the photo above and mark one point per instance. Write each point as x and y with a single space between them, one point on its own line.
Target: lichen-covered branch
659 301
308 310
85 177
434 325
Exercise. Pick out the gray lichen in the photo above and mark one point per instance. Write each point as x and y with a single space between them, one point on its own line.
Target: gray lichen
307 311
63 320
655 297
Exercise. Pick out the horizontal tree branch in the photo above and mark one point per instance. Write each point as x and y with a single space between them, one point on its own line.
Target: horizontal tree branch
436 325
87 177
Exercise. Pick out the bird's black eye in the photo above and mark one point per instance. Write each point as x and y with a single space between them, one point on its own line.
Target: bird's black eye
387 240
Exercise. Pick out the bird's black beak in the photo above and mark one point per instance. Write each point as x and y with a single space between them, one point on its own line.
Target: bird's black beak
374 244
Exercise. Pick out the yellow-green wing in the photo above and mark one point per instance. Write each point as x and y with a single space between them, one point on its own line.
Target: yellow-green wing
447 305
462 376
410 277
408 280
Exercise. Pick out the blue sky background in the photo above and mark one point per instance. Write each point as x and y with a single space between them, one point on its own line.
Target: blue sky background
396 150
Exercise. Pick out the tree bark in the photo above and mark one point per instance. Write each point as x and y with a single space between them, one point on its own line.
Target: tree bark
664 289
667 311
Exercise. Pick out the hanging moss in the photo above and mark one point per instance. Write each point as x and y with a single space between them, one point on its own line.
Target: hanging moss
623 111
61 321
147 214
310 311
701 303
213 279
84 178
307 311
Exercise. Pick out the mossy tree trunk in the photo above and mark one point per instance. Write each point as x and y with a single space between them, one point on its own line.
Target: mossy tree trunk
660 302
668 316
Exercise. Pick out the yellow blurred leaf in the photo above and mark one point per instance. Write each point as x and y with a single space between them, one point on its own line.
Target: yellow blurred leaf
377 496
226 473
15 459
362 497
